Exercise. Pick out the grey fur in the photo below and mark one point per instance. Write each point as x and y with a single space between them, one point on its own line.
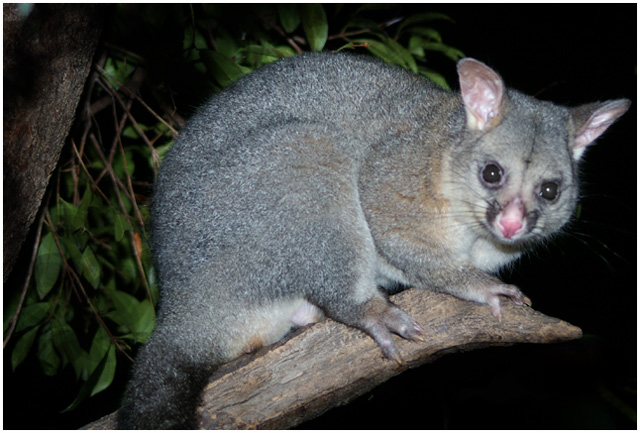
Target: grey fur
317 179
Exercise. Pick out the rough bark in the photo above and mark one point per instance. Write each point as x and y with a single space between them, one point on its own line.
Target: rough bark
329 364
48 52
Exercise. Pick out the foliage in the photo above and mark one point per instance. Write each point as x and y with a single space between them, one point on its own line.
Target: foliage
90 293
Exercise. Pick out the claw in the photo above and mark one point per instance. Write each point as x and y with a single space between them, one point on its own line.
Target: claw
395 356
382 319
417 335
494 305
510 292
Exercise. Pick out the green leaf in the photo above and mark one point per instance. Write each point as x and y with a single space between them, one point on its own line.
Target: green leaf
67 344
80 234
200 42
32 315
379 49
284 51
153 283
138 317
314 23
120 226
188 38
259 55
416 46
146 321
49 359
93 380
289 16
131 132
23 346
222 69
430 34
124 167
108 372
408 62
577 211
71 250
226 46
453 53
390 52
74 217
126 203
117 72
129 268
435 77
83 209
90 267
11 302
125 313
164 148
100 347
48 265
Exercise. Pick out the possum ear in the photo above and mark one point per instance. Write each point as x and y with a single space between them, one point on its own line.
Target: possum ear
482 92
592 120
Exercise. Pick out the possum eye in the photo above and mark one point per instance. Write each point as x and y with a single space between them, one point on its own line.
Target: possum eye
549 191
492 173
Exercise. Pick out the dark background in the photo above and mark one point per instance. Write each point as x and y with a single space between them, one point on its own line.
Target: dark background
569 54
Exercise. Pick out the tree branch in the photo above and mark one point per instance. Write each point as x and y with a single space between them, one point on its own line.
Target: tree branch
329 364
47 58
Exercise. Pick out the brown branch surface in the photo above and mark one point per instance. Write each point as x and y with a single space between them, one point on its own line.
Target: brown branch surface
47 57
329 364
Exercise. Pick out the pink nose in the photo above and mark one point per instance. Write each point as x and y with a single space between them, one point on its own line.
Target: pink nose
509 227
511 219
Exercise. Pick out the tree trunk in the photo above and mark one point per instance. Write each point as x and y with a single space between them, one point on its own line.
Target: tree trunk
48 50
329 364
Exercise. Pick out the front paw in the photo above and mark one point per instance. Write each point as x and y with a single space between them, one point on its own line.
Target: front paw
383 318
494 293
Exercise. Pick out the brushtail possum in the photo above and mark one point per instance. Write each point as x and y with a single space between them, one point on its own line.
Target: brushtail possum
309 186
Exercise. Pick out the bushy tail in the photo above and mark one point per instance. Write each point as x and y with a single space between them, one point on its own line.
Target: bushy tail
164 391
